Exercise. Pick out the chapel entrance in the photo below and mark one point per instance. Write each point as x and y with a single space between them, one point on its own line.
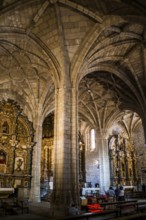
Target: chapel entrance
47 156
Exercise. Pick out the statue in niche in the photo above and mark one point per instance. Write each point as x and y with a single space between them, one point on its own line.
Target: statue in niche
2 157
112 143
121 142
19 163
5 128
2 161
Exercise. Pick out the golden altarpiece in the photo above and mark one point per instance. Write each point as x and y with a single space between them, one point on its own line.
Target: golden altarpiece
16 146
82 169
47 160
47 157
47 165
123 162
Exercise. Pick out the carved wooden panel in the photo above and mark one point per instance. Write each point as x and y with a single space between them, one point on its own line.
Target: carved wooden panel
47 159
16 145
122 160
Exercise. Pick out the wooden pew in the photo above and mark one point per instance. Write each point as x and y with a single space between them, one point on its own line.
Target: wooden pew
127 208
139 216
106 204
141 206
113 212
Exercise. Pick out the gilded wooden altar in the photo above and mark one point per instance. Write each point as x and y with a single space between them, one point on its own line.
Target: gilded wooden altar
47 159
122 160
16 146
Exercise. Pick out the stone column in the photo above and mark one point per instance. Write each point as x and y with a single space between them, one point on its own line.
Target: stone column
35 182
65 176
75 191
104 164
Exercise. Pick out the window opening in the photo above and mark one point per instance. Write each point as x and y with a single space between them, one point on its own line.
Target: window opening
92 140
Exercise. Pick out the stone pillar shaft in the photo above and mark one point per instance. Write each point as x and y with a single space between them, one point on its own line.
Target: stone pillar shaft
35 183
65 153
104 164
75 149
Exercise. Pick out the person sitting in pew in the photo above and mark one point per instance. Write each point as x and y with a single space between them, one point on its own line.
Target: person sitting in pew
73 210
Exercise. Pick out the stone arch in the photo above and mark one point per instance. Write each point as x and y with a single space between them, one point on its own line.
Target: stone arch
43 65
38 45
116 71
109 22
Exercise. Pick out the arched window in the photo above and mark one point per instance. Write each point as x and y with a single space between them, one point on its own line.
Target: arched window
92 144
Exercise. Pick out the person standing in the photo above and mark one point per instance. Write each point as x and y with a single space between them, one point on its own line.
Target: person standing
111 194
117 190
121 196
143 187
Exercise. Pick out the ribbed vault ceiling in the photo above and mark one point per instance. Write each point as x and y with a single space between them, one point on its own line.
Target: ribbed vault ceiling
115 84
24 72
111 61
104 100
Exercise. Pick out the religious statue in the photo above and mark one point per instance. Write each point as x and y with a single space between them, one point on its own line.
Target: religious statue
2 157
19 163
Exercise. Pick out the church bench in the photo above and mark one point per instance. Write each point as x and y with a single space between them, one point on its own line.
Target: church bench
105 205
141 206
113 212
127 208
137 216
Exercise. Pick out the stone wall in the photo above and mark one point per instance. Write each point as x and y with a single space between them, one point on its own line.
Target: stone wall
138 141
92 169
